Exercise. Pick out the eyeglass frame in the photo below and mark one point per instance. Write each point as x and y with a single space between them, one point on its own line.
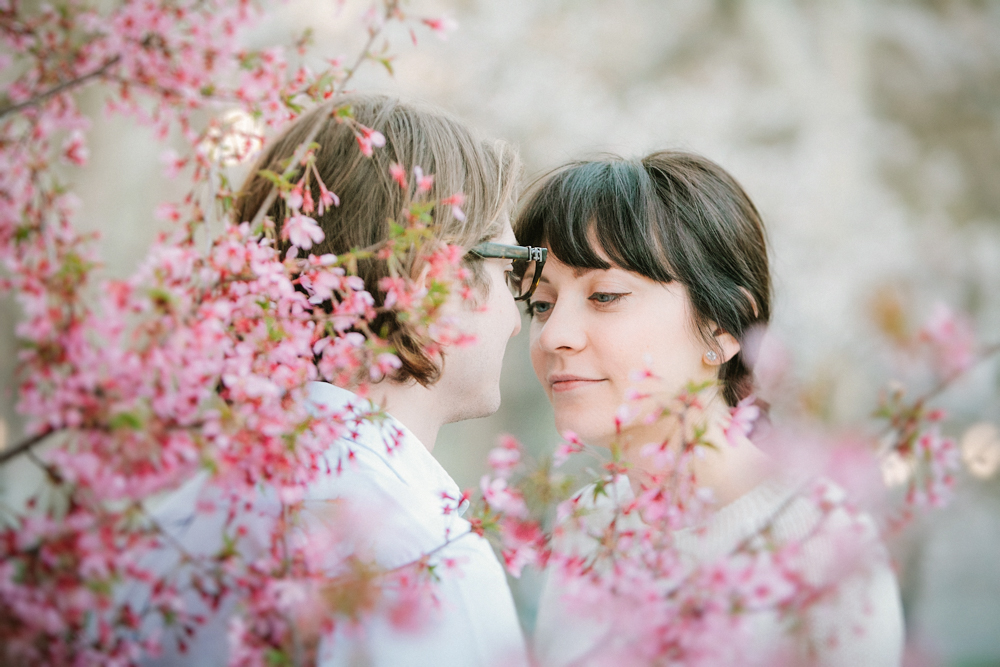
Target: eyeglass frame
492 250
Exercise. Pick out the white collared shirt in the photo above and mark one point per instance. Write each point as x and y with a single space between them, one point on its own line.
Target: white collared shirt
399 499
395 498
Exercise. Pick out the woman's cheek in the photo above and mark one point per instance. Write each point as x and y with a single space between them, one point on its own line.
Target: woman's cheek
535 354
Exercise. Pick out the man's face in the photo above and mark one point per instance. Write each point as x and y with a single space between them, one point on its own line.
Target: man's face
470 378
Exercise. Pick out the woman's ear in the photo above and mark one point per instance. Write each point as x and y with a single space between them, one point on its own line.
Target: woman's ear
725 348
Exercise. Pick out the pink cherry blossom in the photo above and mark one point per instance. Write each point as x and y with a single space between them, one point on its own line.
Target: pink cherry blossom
502 498
327 199
455 201
951 340
398 174
424 182
505 457
302 231
571 445
741 423
368 139
441 26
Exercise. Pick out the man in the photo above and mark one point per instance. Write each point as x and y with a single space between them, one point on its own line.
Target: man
386 503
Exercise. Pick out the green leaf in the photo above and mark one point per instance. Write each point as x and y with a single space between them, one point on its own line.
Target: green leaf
74 269
274 332
161 298
99 586
277 658
275 178
128 420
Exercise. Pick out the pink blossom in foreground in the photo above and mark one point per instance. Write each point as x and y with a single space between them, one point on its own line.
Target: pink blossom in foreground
398 174
951 340
505 457
571 445
327 199
741 423
302 231
523 544
441 26
502 498
424 181
193 367
368 140
942 459
455 201
196 365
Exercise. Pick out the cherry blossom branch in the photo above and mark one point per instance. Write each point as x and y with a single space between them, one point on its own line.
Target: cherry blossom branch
23 447
61 87
942 385
946 382
317 125
332 582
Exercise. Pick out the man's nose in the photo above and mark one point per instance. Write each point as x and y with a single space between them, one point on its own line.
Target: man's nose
517 319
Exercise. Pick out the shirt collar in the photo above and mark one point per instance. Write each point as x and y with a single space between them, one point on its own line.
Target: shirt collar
390 440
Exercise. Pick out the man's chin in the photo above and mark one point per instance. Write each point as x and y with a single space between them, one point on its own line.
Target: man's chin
469 409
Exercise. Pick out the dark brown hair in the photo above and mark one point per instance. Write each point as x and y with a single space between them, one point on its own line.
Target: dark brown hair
670 216
485 172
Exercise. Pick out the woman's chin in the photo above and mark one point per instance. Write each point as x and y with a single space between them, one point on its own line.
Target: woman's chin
587 429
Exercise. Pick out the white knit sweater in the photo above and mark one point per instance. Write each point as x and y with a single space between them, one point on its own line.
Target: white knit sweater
860 626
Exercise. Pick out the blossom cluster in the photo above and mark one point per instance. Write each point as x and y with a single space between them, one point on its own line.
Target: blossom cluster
189 376
639 565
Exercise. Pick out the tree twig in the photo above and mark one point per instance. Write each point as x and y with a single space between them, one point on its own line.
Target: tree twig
23 447
942 385
300 152
61 88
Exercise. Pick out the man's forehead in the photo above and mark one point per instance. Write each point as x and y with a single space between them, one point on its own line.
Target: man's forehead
506 234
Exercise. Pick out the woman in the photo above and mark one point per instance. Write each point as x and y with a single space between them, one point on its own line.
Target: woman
660 266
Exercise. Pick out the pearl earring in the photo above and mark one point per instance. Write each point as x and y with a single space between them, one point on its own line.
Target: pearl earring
711 357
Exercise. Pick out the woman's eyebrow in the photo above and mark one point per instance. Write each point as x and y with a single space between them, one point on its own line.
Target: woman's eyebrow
577 273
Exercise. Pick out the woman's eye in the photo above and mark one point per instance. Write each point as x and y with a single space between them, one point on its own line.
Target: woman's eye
539 309
605 298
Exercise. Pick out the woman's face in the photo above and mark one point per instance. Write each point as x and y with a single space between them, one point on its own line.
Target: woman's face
592 329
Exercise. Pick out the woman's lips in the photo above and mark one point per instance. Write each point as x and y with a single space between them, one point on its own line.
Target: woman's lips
561 383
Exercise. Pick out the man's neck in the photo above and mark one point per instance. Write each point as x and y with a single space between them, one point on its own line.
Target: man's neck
413 405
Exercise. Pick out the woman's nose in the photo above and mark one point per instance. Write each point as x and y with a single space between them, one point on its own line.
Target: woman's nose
563 330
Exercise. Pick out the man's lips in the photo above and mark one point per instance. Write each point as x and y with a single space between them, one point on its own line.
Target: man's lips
563 382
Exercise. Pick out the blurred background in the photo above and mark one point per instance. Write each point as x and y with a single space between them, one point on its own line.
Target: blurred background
866 131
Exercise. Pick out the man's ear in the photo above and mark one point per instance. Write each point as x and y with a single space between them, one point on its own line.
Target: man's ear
422 276
725 348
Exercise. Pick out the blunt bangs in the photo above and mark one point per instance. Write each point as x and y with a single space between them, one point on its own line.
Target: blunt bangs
672 216
589 209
